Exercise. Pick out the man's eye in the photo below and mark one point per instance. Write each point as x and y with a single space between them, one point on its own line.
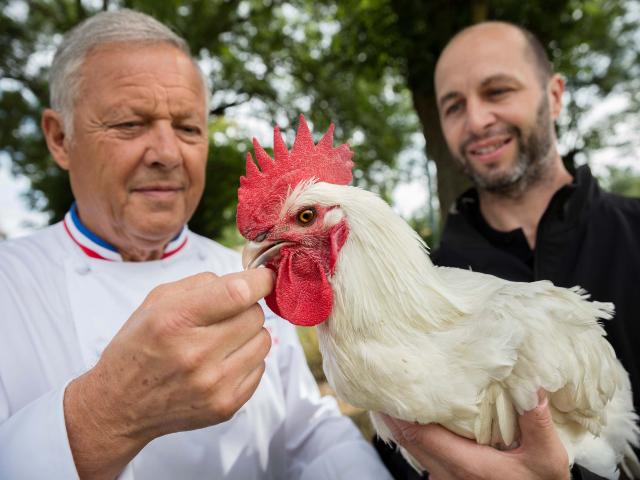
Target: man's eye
189 129
497 92
128 125
453 108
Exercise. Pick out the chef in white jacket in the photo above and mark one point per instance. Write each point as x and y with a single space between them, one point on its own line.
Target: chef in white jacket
128 347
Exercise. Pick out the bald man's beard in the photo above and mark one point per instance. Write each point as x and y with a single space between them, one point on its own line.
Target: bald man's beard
532 163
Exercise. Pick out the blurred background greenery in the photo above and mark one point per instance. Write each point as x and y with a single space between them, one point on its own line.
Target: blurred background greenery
366 65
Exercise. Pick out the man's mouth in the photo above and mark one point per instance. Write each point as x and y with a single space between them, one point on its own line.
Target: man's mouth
489 149
158 191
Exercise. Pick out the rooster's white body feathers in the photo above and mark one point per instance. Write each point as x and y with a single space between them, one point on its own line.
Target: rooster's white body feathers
463 349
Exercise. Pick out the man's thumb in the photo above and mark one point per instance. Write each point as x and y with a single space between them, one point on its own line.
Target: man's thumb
402 432
537 425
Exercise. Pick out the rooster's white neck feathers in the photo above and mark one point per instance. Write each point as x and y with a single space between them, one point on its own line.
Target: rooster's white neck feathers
383 258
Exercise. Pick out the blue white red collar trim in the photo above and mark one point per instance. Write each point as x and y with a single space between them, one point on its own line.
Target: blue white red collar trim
95 247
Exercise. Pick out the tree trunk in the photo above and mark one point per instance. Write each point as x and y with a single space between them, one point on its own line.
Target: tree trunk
479 11
451 180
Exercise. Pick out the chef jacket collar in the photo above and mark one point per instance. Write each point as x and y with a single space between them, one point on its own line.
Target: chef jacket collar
95 247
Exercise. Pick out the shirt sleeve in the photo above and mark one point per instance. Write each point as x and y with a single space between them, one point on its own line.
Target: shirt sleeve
33 441
322 444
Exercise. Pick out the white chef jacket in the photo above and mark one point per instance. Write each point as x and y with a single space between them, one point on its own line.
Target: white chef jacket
59 308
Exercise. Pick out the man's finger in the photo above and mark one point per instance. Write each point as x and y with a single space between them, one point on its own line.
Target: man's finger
410 436
404 432
226 336
250 383
392 425
192 281
248 357
537 425
227 296
440 450
434 438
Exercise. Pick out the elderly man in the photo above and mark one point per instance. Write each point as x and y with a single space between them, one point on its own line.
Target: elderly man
127 345
528 218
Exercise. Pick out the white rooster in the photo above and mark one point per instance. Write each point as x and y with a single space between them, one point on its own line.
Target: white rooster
423 343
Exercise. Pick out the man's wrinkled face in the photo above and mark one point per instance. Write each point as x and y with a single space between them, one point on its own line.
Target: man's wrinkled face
495 111
138 154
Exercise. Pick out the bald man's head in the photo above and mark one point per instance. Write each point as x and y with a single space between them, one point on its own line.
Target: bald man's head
533 49
498 100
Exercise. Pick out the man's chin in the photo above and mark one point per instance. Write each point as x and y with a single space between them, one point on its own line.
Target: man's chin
157 227
496 180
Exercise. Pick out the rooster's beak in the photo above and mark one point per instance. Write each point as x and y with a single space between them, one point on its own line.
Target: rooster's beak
255 254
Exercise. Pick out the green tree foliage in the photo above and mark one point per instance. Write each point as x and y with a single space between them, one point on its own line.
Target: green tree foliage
622 180
365 64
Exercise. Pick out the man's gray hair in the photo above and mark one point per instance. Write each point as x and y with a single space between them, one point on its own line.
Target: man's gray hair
122 26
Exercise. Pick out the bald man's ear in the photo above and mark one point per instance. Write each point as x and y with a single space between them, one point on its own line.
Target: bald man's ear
54 134
555 90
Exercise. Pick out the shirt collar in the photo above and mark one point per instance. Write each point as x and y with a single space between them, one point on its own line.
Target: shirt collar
95 247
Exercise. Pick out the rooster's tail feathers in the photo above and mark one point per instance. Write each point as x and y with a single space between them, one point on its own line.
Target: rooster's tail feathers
630 464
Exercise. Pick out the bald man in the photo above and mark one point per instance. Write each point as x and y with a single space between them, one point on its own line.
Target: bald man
527 218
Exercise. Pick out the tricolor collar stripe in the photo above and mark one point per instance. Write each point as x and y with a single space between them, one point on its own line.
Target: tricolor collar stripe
88 233
89 252
95 247
175 245
89 246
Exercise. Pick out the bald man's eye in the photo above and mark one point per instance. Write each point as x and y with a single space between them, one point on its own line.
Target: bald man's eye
498 92
453 108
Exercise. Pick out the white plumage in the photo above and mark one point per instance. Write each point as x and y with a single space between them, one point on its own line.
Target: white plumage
463 349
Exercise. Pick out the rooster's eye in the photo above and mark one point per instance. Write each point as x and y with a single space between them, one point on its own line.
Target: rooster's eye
306 216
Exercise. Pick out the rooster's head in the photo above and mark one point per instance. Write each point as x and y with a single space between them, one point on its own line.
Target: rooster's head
295 234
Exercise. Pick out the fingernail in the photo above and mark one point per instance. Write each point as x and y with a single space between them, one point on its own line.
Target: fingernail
543 399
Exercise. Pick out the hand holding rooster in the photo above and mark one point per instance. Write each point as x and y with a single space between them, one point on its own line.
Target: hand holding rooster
446 456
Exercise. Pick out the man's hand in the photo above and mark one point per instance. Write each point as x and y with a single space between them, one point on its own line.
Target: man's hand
447 456
189 357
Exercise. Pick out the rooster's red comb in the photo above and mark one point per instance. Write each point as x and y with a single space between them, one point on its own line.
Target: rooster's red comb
263 190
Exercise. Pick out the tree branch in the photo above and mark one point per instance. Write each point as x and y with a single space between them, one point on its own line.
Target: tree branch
220 109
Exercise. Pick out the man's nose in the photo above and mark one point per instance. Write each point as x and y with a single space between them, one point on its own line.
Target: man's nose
164 148
479 116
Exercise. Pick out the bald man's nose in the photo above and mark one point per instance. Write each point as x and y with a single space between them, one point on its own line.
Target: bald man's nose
479 116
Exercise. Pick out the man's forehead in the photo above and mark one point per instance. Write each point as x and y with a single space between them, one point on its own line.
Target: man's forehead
479 53
126 103
112 61
115 76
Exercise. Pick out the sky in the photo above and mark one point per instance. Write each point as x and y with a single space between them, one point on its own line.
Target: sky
16 218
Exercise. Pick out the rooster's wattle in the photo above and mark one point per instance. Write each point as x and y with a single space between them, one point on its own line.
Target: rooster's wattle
423 343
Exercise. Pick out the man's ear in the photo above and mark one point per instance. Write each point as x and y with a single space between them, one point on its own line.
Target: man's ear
555 90
54 134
